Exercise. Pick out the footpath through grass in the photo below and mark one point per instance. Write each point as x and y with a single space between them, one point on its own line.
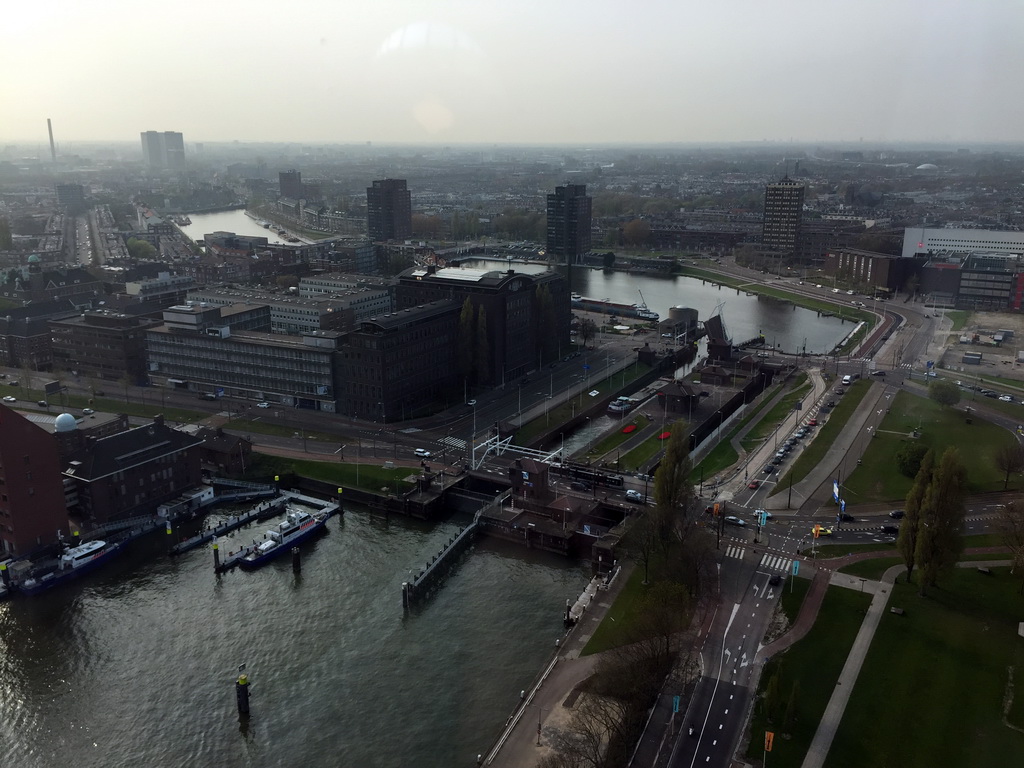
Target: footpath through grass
806 674
879 477
934 687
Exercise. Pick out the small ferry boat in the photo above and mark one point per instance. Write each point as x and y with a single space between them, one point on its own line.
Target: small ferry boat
75 562
297 526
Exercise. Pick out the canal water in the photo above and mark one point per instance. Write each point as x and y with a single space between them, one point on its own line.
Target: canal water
135 665
228 221
785 326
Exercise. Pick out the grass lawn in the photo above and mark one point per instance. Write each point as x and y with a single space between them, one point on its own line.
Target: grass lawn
798 390
875 567
616 627
815 661
879 479
839 550
643 453
793 593
814 451
932 687
614 439
565 411
959 318
371 477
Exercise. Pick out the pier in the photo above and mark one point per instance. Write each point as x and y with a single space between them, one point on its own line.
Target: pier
261 511
441 564
264 509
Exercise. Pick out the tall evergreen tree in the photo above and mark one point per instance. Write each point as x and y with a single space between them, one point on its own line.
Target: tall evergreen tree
906 543
940 539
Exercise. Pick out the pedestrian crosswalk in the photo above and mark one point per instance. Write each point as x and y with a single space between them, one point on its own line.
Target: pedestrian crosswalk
776 562
736 552
453 442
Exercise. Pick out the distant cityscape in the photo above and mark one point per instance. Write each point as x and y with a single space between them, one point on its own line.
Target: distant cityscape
428 304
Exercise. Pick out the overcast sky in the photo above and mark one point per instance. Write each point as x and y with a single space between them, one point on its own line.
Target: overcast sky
520 71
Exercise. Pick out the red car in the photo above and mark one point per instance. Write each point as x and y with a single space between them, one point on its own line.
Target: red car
754 485
812 423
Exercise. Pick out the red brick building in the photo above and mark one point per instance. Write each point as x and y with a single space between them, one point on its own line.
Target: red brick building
32 508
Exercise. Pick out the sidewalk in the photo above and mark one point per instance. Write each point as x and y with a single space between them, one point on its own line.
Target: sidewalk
548 705
818 750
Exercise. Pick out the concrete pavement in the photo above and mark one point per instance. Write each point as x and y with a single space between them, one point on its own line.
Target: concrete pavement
829 724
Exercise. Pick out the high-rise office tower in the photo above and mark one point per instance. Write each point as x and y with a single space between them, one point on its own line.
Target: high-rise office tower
569 211
163 149
783 214
388 210
290 184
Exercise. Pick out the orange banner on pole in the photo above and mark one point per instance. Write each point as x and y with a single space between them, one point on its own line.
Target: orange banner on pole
769 737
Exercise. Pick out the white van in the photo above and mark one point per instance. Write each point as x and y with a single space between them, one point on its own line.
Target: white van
846 380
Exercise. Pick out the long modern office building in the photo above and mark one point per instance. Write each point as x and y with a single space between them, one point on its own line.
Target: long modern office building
922 240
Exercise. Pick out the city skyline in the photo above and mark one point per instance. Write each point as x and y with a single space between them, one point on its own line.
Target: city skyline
572 73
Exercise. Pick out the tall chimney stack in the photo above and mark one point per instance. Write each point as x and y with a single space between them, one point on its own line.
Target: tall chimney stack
53 150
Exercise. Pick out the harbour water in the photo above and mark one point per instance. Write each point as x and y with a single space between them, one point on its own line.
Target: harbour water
784 325
135 665
228 221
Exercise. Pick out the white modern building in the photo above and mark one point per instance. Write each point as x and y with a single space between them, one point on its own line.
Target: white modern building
952 241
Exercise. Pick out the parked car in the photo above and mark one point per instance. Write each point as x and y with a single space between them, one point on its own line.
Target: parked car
877 373
88 411
769 467
831 404
13 382
43 404
812 423
262 405
634 496
1006 398
839 390
10 399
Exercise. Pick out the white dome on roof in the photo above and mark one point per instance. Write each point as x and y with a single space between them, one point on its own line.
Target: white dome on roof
65 423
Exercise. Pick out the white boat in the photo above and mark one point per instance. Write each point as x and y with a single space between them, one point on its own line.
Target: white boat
297 526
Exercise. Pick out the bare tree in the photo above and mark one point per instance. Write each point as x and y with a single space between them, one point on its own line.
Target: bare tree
1009 459
1010 526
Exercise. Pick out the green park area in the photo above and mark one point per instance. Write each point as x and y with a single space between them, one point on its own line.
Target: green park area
942 683
796 684
937 427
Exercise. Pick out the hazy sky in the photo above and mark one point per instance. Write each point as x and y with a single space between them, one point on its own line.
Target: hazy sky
529 71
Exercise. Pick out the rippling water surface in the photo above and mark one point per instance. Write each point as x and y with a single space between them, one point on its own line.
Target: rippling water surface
135 665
